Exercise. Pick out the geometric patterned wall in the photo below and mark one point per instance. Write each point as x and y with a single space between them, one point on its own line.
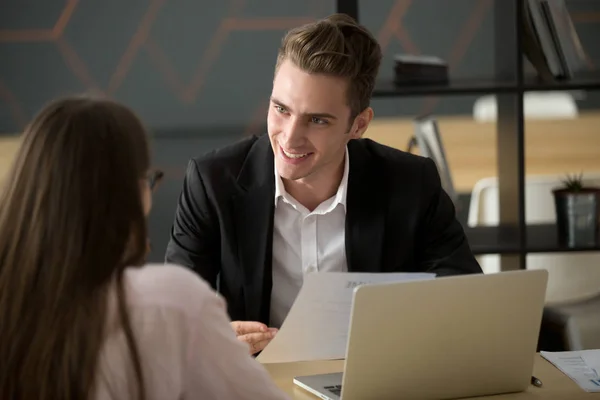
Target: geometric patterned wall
205 64
204 67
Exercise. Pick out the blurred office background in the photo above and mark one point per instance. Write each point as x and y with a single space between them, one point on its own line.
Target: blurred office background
199 74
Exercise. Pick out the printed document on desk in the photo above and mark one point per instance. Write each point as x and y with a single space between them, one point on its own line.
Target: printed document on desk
316 328
582 366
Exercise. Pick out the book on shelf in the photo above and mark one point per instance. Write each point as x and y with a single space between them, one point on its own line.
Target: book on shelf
551 42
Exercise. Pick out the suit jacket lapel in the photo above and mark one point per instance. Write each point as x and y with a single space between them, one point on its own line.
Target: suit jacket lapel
365 215
253 223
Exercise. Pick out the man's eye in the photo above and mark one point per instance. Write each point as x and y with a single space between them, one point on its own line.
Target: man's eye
319 121
280 109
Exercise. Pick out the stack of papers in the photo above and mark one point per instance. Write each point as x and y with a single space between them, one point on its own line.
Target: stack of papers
581 366
316 328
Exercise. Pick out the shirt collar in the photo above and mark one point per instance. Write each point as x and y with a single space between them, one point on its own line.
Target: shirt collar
340 196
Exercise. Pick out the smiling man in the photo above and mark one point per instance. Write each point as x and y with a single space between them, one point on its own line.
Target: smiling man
255 217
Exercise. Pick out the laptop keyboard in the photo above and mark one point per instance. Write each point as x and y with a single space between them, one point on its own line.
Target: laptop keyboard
335 389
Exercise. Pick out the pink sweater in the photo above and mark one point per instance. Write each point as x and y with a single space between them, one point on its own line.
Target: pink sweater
188 349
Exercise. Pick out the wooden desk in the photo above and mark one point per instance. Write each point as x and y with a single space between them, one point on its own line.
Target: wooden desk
556 385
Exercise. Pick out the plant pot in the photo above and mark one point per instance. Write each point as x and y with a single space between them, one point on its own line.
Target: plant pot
577 216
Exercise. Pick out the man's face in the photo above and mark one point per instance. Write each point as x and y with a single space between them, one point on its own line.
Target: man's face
309 123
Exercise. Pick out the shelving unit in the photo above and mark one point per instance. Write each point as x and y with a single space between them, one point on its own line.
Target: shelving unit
512 239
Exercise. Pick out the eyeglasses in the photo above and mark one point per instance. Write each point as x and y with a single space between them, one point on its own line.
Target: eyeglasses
154 177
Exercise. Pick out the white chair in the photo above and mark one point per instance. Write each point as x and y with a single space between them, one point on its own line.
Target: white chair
574 277
536 105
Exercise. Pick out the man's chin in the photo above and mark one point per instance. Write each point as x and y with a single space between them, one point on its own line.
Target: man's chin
291 173
293 177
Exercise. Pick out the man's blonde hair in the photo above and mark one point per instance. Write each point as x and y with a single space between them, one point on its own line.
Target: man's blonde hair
336 46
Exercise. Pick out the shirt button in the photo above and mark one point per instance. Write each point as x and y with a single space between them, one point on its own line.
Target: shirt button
311 269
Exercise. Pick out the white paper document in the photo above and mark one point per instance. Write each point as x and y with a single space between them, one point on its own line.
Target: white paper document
581 366
316 328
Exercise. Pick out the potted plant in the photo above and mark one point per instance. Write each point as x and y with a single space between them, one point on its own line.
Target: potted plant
577 212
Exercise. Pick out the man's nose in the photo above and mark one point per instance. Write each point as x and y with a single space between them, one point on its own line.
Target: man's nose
294 132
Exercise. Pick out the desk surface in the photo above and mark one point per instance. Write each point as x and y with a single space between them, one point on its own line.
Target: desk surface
556 385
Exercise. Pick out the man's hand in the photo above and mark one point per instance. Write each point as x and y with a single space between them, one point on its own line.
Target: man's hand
256 334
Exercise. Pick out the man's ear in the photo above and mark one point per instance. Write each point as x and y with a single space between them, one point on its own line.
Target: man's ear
361 123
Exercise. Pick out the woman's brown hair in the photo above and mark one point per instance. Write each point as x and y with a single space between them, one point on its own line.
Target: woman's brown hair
71 220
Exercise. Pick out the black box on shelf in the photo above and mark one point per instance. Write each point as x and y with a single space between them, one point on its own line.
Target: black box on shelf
419 70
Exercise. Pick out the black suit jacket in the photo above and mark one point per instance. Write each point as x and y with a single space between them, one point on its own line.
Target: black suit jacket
398 219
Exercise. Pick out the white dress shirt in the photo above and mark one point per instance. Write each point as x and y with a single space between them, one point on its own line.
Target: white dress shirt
187 347
305 242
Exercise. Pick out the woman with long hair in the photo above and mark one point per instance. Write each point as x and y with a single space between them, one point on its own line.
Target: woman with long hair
81 316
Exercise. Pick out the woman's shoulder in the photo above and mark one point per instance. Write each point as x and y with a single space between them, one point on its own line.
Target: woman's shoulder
166 285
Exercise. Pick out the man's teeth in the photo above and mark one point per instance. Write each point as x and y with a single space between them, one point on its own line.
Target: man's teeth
290 155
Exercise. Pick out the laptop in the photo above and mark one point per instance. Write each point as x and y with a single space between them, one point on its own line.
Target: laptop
445 338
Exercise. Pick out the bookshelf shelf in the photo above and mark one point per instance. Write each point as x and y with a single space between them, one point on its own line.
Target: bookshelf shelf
387 88
504 239
455 87
586 81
